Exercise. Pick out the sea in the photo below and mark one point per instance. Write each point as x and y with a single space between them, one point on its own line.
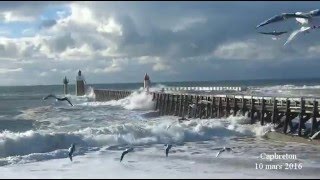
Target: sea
35 135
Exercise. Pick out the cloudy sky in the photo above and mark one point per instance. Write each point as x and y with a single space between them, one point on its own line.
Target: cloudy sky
41 42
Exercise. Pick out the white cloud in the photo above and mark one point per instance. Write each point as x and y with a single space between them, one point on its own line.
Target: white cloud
110 27
158 63
84 52
244 50
116 65
11 16
186 23
161 67
5 71
43 74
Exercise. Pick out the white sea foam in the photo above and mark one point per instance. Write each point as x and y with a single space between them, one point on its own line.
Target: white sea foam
138 100
149 132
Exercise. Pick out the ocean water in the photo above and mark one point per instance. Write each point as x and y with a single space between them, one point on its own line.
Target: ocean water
35 136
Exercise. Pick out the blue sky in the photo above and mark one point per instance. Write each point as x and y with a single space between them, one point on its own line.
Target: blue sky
41 42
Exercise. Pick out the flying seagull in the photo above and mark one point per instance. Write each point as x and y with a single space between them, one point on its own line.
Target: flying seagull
274 33
222 150
125 152
58 99
168 147
282 17
71 150
308 23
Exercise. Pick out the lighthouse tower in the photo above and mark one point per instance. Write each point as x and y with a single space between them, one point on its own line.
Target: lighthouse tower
146 82
80 88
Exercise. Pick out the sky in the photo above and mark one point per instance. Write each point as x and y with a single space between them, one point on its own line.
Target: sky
41 42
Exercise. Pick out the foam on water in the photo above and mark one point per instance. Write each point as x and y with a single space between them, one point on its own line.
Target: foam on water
138 100
150 132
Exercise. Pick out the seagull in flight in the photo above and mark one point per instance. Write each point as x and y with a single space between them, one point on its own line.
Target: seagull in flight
310 22
72 148
222 150
125 152
274 33
168 147
58 99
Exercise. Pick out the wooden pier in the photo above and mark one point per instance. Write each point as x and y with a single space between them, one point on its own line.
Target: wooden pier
277 110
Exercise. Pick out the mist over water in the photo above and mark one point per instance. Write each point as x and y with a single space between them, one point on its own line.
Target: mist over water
35 136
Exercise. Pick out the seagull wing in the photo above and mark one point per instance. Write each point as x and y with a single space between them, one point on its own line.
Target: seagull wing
70 156
69 101
267 33
295 33
315 135
220 152
50 95
282 17
122 155
167 151
313 13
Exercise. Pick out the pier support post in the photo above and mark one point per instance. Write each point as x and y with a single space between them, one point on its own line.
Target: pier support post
314 117
262 112
185 106
286 122
227 107
213 107
176 106
219 107
200 108
197 107
235 107
160 103
180 105
167 104
243 108
274 110
302 112
208 109
252 111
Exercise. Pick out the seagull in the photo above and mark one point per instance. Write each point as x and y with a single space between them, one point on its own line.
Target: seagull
274 33
282 17
125 152
71 150
58 99
308 23
222 150
168 147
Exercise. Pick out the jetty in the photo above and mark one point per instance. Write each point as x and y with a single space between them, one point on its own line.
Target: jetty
187 102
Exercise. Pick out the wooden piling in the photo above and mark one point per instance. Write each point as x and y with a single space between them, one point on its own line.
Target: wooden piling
252 111
287 116
227 109
302 112
262 112
314 117
219 107
243 108
235 107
